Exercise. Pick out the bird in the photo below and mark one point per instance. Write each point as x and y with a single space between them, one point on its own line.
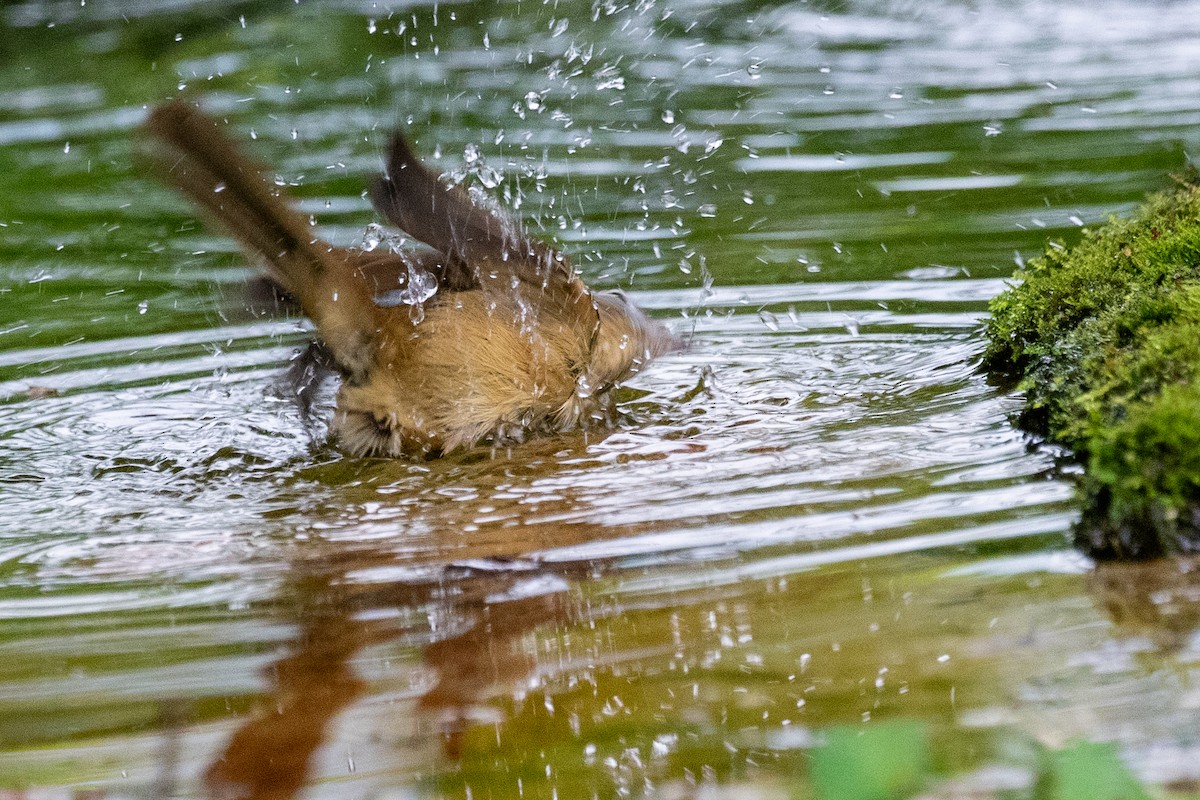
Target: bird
477 332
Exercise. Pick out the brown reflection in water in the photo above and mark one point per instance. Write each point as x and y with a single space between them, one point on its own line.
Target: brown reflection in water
470 666
1158 599
429 555
489 606
268 756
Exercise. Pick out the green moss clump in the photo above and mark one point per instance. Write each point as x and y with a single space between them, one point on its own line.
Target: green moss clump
1104 339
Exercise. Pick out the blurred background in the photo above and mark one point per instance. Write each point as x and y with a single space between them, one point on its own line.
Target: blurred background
813 560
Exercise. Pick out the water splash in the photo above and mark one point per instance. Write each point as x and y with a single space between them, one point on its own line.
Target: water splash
475 166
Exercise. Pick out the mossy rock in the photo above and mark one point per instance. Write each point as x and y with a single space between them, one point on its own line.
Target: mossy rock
1104 340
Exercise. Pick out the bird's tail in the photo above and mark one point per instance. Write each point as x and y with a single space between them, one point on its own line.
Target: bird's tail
192 153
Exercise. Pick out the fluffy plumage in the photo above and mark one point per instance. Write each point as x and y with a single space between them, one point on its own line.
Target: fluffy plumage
512 341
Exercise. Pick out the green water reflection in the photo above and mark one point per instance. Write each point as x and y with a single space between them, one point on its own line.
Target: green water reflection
817 520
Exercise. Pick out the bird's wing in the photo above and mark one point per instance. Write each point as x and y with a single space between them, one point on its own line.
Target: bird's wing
482 245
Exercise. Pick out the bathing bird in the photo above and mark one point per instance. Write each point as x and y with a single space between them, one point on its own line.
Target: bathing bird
473 332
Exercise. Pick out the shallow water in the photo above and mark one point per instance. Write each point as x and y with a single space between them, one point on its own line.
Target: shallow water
818 515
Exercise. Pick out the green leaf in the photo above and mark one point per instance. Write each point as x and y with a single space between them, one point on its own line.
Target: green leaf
885 761
1089 771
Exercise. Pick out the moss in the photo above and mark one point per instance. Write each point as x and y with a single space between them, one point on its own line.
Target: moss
1104 340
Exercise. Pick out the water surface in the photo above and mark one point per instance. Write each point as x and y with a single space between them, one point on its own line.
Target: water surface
817 516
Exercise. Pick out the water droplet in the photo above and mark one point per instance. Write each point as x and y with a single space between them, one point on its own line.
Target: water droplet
896 94
67 148
609 78
706 278
668 116
708 210
533 101
143 306
220 187
754 70
419 286
372 236
769 319
370 26
489 177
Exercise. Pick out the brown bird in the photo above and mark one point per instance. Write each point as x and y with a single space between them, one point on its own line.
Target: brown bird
480 333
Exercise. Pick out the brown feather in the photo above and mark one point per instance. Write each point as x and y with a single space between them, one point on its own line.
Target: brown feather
512 343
